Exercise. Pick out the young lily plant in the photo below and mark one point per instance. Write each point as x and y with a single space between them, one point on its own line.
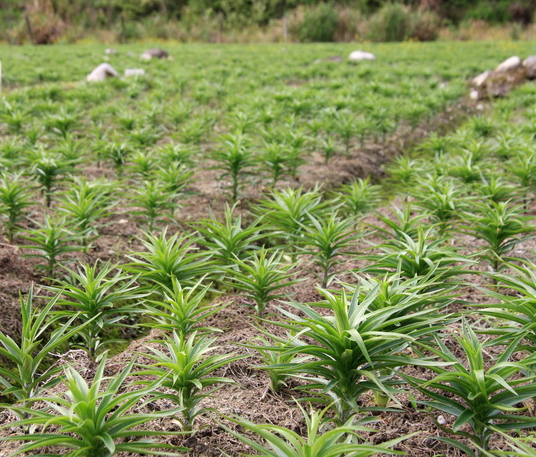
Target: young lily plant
94 420
262 277
481 399
25 377
182 309
321 440
186 371
51 240
235 159
15 197
168 257
502 226
327 240
353 348
230 239
100 295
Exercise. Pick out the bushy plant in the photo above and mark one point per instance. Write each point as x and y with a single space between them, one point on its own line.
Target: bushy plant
418 257
319 23
85 205
517 313
234 159
326 240
392 22
359 197
501 226
47 169
288 211
151 201
229 240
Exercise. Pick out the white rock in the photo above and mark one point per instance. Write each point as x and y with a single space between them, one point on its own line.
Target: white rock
109 51
441 420
122 221
473 95
357 56
103 71
479 80
509 64
480 107
530 65
134 72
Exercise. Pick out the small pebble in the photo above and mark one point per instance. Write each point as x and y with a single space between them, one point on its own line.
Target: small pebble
122 221
441 420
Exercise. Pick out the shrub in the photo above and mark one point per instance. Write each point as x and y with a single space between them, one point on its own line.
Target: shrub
425 26
319 23
349 24
391 23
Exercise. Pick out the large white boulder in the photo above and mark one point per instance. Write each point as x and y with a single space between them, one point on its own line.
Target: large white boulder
103 71
512 63
357 56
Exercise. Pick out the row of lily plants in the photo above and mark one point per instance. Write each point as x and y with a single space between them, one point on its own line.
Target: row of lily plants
184 115
390 283
399 308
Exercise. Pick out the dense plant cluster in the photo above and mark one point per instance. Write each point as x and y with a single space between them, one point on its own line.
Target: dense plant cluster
389 264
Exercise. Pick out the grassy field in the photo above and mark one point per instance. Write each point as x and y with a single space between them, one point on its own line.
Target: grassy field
262 249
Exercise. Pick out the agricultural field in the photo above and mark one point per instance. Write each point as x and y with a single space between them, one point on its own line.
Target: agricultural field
265 250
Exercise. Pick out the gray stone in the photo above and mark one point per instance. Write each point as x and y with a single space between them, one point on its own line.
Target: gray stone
154 53
500 83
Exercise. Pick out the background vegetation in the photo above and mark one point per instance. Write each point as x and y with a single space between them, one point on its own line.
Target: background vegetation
50 21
